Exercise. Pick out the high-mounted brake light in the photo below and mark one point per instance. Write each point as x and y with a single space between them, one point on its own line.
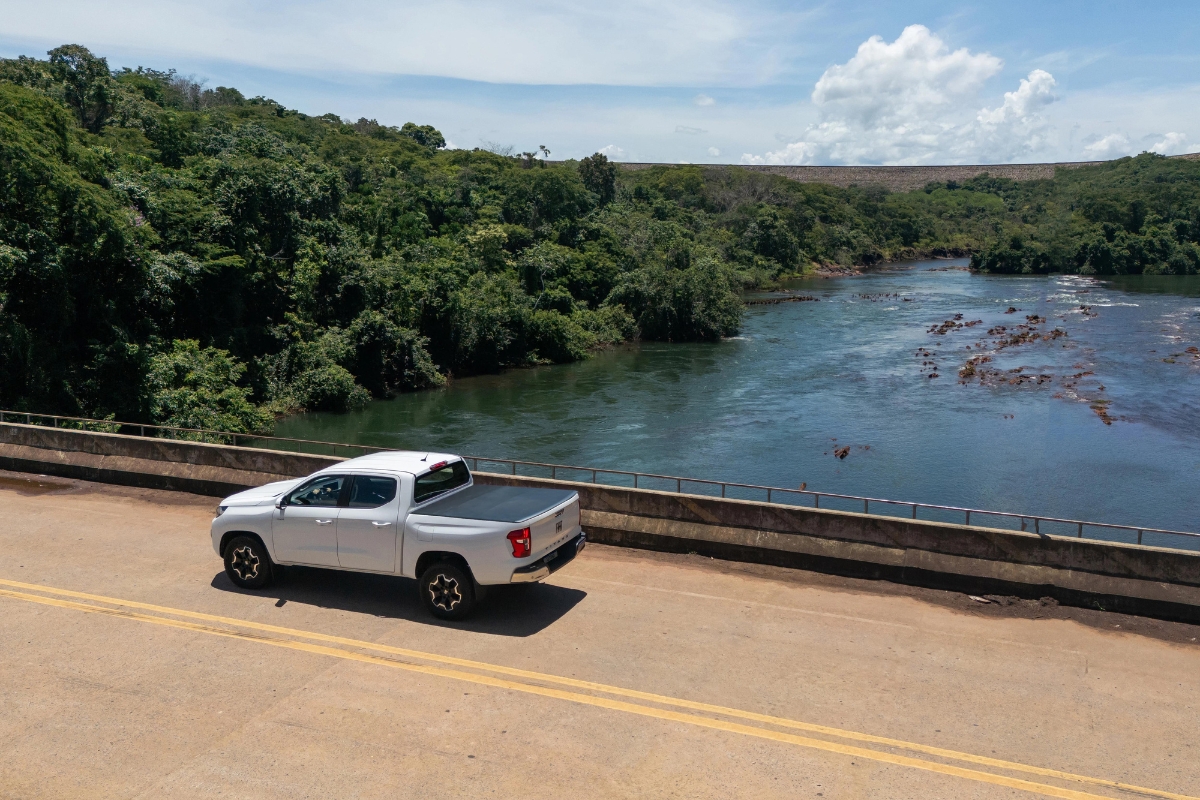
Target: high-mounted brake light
438 466
520 542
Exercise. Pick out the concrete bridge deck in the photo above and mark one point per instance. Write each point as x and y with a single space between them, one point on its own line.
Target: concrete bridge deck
130 667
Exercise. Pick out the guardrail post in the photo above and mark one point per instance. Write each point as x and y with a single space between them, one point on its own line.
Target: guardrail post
968 521
593 476
1139 535
679 490
865 506
768 494
514 467
553 472
1080 534
816 501
914 505
635 476
722 490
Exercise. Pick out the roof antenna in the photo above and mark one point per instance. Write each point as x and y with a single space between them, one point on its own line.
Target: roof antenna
425 457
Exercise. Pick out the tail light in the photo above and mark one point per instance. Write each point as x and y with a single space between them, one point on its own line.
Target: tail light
520 542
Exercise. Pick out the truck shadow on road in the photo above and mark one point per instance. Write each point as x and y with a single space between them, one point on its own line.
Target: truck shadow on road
520 610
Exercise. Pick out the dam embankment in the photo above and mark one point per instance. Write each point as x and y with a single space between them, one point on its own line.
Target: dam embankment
902 178
1133 578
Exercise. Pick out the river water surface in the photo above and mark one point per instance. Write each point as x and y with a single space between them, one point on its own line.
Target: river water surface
1097 421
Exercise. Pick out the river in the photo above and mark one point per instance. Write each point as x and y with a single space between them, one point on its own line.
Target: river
1097 422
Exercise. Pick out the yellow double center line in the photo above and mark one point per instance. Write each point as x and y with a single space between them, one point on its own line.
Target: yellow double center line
397 657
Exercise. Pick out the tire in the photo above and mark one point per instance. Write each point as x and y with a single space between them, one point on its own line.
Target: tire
247 563
448 591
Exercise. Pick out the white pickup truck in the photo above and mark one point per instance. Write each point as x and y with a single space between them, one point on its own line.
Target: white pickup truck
420 515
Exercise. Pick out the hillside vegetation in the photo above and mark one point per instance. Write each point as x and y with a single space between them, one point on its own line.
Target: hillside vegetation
188 256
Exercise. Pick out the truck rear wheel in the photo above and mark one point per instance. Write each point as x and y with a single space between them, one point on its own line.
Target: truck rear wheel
447 590
247 563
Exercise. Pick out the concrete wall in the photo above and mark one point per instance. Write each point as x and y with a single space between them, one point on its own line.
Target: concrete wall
210 469
1082 571
904 179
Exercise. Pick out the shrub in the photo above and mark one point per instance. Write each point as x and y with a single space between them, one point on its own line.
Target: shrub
557 338
306 376
699 303
190 387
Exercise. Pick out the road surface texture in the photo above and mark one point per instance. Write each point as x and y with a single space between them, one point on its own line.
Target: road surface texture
131 667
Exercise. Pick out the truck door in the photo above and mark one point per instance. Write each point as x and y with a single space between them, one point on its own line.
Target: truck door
304 529
368 526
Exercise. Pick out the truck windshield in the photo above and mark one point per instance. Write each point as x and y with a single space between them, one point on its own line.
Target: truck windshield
431 484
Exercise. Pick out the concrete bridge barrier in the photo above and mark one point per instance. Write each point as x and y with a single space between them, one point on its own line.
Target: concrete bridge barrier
1134 578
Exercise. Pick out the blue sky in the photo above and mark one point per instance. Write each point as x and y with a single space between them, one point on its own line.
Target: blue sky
687 80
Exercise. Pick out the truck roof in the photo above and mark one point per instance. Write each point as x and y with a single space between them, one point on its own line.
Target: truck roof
413 461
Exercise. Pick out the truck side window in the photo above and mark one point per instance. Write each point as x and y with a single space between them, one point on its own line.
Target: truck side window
322 492
443 479
369 491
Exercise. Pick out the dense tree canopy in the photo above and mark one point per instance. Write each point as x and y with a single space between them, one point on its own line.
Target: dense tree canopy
178 254
1132 216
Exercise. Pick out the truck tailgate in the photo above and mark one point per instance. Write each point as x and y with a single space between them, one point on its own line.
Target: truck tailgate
554 527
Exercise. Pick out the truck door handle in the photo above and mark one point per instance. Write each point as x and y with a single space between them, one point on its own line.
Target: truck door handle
381 524
324 521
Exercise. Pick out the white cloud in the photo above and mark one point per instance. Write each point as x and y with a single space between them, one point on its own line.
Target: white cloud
1034 93
613 152
713 151
1173 144
1014 129
689 130
889 84
704 100
915 101
1114 145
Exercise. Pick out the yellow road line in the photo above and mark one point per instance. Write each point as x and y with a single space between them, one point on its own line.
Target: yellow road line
592 686
559 694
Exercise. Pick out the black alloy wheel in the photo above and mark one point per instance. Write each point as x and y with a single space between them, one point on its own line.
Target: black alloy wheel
247 563
448 591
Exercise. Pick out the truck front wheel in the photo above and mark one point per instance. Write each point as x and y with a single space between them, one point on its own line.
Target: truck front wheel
247 563
447 590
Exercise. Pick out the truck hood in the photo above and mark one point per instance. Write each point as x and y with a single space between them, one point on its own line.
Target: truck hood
260 495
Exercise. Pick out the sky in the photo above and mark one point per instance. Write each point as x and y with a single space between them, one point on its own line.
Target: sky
695 81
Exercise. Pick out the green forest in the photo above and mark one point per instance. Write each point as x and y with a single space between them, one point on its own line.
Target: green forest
188 256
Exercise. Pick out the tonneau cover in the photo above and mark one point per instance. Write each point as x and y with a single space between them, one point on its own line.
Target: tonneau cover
497 503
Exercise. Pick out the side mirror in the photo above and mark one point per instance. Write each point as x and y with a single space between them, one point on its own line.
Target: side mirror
281 502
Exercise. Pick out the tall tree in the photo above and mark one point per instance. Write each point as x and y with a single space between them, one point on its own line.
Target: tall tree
599 175
87 84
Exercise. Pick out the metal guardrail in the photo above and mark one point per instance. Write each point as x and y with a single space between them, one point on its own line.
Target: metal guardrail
770 493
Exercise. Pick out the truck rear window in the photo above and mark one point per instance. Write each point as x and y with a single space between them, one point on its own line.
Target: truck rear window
431 484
